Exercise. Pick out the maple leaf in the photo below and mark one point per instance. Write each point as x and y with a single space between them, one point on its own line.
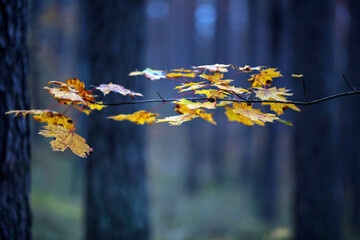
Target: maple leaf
244 113
216 77
73 91
212 93
65 138
279 108
183 70
149 74
272 93
179 74
139 117
96 106
48 116
183 109
263 78
106 88
196 105
190 86
238 90
246 68
178 120
214 68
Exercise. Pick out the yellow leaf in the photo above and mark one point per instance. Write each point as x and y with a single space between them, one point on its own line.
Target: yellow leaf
297 75
82 109
263 78
280 107
178 120
190 86
272 93
48 116
214 68
139 117
106 88
97 106
238 90
178 75
196 105
183 70
216 77
242 112
212 93
65 138
65 96
183 109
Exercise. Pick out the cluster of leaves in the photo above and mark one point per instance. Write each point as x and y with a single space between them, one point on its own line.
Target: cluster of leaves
206 83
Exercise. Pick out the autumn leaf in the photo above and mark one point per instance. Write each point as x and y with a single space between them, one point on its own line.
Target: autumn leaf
149 74
190 86
48 116
65 138
297 75
178 120
244 113
212 93
279 108
272 93
196 105
73 91
139 117
214 68
246 68
183 70
216 77
233 89
96 106
183 109
265 77
179 74
106 88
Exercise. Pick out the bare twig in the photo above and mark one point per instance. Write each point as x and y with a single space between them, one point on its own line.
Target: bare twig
347 83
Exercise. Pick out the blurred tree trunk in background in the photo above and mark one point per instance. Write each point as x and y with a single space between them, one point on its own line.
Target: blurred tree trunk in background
265 38
318 192
15 216
219 139
351 129
116 197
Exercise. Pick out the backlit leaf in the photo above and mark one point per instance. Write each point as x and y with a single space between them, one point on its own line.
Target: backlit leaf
111 87
65 138
196 105
265 77
149 74
214 68
139 117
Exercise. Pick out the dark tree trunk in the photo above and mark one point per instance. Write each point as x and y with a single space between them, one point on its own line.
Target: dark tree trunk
116 194
15 216
318 191
351 129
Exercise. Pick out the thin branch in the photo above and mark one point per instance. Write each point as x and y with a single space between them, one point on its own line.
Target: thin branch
237 100
347 83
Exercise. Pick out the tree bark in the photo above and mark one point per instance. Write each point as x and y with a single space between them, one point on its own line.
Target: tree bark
318 191
116 193
15 216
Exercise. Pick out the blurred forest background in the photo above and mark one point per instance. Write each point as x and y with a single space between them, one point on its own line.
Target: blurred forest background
210 182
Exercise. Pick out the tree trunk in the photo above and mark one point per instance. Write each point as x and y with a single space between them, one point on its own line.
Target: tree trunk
15 216
116 193
318 192
351 130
